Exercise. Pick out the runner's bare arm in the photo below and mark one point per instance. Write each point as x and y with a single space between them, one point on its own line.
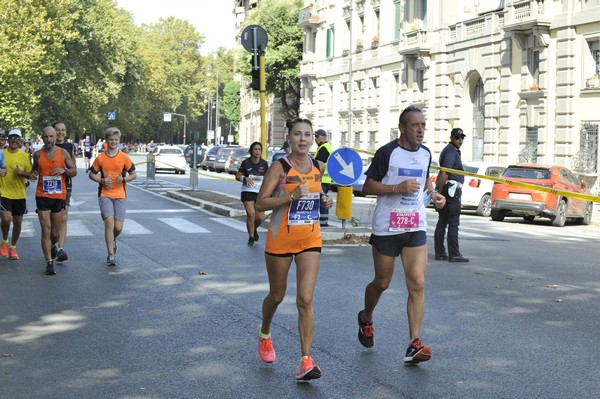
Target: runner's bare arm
71 168
373 187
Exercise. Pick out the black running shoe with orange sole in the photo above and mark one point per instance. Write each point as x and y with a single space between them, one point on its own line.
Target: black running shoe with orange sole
365 332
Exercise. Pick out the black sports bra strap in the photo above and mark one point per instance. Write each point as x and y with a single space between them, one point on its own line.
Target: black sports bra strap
285 163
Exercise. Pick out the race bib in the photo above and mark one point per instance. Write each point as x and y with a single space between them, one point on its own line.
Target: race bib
304 210
404 220
52 185
257 180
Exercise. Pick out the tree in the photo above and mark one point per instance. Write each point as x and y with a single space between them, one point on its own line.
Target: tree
231 101
99 61
31 45
283 54
173 72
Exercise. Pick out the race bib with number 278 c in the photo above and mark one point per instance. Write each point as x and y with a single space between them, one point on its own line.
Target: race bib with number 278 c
404 220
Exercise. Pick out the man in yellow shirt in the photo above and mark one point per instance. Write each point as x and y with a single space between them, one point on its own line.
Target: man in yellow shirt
14 205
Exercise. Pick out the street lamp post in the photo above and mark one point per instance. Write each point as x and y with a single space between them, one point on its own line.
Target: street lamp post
217 109
184 122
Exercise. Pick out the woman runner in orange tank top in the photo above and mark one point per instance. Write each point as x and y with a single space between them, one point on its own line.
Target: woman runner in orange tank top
292 189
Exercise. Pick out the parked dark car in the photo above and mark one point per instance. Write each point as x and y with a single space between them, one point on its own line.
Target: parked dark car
237 158
528 203
209 160
223 159
275 155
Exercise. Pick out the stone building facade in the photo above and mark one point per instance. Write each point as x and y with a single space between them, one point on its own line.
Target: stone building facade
520 77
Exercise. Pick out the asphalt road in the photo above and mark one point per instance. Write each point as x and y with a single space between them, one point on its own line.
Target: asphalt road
177 317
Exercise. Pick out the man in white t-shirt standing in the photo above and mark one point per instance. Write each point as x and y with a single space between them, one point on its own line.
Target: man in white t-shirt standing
399 176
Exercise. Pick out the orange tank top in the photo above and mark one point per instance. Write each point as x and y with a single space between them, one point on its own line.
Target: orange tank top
287 235
51 186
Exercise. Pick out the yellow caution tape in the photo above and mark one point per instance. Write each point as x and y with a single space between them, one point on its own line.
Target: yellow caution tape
584 197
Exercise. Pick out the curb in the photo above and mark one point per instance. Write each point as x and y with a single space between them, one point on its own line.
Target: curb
209 206
329 234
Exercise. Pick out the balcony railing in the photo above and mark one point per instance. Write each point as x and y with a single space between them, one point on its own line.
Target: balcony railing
476 27
415 41
585 161
308 17
526 14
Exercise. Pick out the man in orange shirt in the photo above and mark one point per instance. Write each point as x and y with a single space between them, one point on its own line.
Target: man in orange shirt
50 166
112 169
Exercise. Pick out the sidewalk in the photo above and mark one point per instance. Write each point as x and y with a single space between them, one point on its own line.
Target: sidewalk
596 214
230 206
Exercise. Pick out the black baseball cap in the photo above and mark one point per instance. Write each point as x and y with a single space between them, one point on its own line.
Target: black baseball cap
457 133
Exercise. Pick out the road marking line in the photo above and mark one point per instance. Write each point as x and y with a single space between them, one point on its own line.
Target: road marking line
233 223
76 228
185 226
131 227
27 229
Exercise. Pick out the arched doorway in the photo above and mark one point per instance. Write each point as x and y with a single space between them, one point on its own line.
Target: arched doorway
478 99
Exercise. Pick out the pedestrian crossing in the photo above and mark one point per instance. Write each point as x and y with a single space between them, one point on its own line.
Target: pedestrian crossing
158 185
141 223
136 227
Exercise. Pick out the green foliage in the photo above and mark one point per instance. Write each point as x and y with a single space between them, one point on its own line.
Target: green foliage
231 101
99 58
283 54
76 60
31 45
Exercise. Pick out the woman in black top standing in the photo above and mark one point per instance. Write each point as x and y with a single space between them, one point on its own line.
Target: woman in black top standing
251 174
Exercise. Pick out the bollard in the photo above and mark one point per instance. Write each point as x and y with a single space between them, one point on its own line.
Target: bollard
150 168
343 207
194 170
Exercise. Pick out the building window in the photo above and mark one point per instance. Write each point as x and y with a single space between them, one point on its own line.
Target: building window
529 153
393 133
330 42
420 78
397 19
377 27
421 12
592 64
344 139
356 140
534 66
395 94
371 146
330 98
313 42
586 160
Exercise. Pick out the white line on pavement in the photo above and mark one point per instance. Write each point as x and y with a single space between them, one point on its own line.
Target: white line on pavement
185 226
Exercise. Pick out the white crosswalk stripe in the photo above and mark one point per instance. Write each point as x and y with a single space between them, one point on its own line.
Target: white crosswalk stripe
27 229
476 229
131 227
77 228
185 226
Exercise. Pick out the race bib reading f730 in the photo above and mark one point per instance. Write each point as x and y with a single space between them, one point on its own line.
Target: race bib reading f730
304 210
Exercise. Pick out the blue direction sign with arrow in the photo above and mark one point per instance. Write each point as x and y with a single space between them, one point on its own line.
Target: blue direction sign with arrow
344 166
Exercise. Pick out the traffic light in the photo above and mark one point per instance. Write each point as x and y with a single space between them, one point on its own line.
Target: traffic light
255 75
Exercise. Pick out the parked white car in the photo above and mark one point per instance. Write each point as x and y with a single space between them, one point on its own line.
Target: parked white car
169 157
477 193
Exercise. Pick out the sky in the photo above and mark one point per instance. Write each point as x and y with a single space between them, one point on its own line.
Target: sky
212 18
